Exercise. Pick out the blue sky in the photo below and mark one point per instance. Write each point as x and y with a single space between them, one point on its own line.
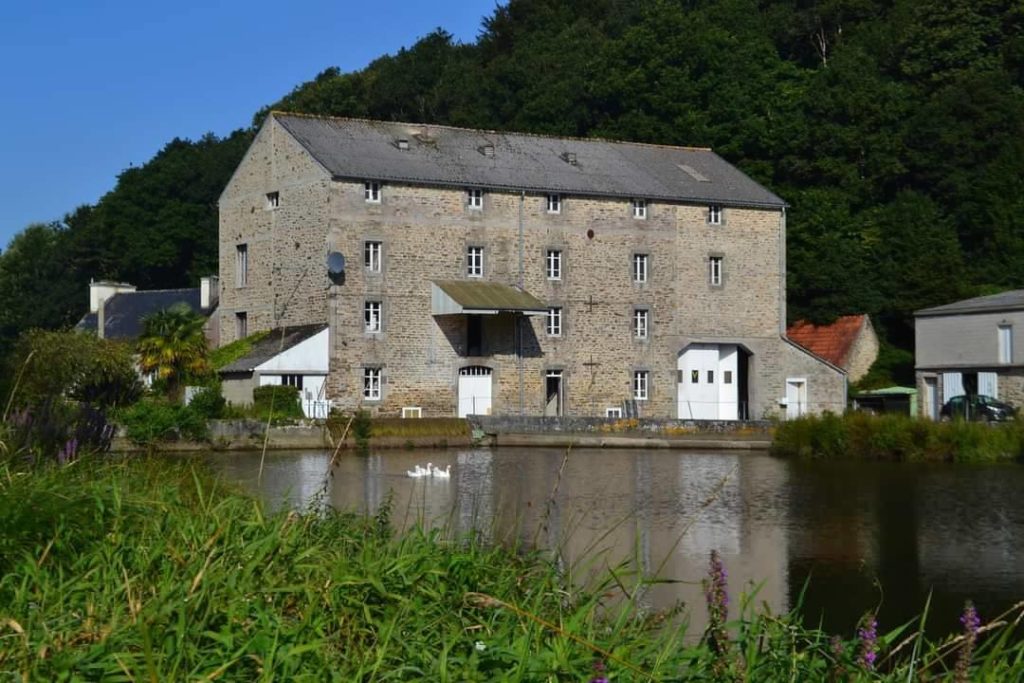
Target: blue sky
94 86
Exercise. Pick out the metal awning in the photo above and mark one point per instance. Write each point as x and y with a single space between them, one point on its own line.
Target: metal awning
454 297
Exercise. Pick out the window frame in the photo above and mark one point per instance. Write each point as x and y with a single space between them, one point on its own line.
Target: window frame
373 256
716 270
641 267
1005 344
716 214
273 200
373 317
372 191
641 385
474 261
553 264
554 203
373 380
242 265
475 198
292 380
553 321
641 324
241 324
639 208
613 412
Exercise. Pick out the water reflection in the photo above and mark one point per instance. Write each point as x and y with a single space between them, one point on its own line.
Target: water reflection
852 528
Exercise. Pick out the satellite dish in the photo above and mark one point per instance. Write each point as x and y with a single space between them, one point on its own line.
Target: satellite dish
335 263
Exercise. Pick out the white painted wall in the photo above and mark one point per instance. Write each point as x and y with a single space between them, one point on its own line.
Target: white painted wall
310 356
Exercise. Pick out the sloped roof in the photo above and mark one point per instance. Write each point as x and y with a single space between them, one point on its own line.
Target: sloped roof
442 155
1004 301
123 312
277 341
831 342
475 295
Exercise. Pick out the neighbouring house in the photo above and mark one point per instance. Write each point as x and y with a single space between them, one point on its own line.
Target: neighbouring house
970 347
117 309
849 342
292 356
469 271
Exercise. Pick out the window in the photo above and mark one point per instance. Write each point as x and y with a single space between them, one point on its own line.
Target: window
371 316
292 381
613 412
554 203
241 265
1006 343
371 192
640 323
371 384
715 270
475 198
553 264
727 377
475 261
554 322
372 256
411 412
641 385
241 325
640 208
640 267
273 200
715 214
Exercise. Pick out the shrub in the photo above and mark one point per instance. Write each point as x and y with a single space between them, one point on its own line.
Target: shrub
54 431
277 402
153 420
208 402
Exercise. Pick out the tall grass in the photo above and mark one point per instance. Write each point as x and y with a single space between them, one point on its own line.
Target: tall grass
147 570
897 438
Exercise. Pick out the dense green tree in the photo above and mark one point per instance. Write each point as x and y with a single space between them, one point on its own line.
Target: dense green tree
173 348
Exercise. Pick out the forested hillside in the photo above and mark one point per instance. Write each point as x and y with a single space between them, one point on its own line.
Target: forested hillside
895 129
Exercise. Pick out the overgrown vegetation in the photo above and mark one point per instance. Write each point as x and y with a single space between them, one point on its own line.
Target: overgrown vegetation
276 402
897 438
155 419
226 355
143 569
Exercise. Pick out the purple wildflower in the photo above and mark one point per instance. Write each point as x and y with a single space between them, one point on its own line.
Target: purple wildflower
717 596
867 633
599 669
972 625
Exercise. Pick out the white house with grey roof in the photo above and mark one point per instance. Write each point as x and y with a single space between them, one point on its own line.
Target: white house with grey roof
487 272
970 347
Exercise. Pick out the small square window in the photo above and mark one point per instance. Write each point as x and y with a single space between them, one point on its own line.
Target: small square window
372 252
475 261
727 377
641 385
640 262
371 192
241 325
715 214
641 319
554 203
371 316
241 265
613 412
553 264
715 270
640 208
711 376
475 198
273 200
371 384
554 322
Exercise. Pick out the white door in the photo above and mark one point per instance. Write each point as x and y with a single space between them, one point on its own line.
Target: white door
988 384
931 399
952 385
708 385
728 382
796 398
474 391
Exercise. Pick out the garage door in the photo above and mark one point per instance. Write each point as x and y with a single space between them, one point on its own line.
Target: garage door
474 391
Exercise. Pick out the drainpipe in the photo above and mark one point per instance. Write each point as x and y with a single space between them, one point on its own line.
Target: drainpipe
519 318
782 272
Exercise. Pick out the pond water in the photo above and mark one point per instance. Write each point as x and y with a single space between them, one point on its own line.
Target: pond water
849 536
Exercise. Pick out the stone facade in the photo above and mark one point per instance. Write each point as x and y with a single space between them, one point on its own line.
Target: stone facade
425 231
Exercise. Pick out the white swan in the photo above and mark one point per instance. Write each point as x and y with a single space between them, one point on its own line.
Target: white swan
417 472
446 473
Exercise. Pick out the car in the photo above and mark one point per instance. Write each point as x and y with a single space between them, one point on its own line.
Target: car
977 407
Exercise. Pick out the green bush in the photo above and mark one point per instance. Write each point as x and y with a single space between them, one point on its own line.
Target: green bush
277 402
208 402
153 420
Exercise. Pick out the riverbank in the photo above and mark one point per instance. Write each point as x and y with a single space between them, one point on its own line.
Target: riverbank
146 569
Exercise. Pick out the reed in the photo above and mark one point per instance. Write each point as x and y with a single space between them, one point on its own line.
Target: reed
149 570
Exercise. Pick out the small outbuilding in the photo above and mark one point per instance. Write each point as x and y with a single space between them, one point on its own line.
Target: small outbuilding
849 343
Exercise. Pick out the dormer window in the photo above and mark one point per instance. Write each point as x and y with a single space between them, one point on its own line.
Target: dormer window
715 214
475 198
273 200
403 144
554 203
371 192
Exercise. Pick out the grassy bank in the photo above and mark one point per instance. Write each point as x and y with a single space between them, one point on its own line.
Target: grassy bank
146 570
897 438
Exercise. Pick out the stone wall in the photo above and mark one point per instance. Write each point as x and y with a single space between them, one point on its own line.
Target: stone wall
513 424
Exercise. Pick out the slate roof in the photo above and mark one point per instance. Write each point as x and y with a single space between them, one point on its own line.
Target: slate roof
1004 301
123 312
272 345
359 149
831 342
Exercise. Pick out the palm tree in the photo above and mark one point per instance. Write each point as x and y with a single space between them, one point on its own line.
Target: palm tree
173 347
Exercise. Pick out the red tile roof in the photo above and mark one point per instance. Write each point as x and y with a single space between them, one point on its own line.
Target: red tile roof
831 342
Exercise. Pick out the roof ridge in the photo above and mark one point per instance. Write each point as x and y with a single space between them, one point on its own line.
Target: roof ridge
574 138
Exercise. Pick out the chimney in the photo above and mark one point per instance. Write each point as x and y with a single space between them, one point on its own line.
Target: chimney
99 292
209 292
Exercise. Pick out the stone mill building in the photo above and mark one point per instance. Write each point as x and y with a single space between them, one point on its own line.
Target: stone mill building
478 272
